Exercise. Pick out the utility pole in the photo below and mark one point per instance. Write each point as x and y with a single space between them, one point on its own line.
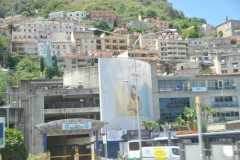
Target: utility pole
200 139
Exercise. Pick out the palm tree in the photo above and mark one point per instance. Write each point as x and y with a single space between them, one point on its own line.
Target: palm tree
191 116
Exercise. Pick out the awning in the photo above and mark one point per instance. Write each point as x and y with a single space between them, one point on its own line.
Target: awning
54 128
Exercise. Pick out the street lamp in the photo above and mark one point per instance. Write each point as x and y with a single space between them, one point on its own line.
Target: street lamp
7 96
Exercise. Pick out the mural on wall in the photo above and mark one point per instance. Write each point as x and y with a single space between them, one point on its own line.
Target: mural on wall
125 92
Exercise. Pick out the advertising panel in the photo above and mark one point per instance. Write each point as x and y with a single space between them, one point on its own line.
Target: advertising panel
125 90
2 132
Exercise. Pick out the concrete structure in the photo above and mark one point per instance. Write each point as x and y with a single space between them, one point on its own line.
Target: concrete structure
109 16
77 15
139 24
229 28
115 43
56 15
207 30
84 41
46 101
60 45
219 91
162 25
208 46
173 50
227 63
25 46
189 68
41 29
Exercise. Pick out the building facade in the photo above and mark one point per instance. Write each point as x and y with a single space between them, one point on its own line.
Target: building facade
229 28
218 91
109 16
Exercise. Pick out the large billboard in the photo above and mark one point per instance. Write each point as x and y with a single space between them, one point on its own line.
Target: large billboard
125 92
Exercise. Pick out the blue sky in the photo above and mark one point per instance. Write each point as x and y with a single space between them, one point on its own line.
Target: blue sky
213 11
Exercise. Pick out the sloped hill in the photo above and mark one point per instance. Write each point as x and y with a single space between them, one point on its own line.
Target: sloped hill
129 9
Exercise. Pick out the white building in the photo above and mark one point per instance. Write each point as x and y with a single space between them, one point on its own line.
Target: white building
173 50
77 15
41 29
56 15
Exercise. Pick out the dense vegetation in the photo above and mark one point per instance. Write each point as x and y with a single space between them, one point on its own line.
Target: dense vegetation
14 146
128 9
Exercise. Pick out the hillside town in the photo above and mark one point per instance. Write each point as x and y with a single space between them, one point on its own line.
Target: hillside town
91 112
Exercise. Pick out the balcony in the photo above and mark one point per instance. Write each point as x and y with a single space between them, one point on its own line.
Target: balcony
71 107
225 104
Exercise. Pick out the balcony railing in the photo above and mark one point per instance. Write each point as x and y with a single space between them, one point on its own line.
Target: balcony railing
60 105
225 104
184 88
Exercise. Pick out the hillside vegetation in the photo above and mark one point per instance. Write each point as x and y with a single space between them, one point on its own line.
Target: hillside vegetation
128 9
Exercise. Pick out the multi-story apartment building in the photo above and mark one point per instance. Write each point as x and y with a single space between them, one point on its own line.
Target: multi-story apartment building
211 46
117 44
109 16
56 15
227 63
60 45
41 29
85 42
162 25
220 92
173 50
26 46
61 15
77 15
71 61
229 28
204 49
148 41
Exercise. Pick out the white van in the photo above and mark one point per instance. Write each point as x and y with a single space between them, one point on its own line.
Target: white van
161 153
150 151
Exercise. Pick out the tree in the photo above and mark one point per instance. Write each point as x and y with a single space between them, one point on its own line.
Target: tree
207 70
101 25
220 33
190 117
14 146
150 125
29 67
190 33
151 13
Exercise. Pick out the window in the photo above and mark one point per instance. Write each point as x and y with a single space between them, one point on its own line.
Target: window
133 146
224 71
171 108
229 84
213 85
223 65
235 70
224 101
234 64
74 61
